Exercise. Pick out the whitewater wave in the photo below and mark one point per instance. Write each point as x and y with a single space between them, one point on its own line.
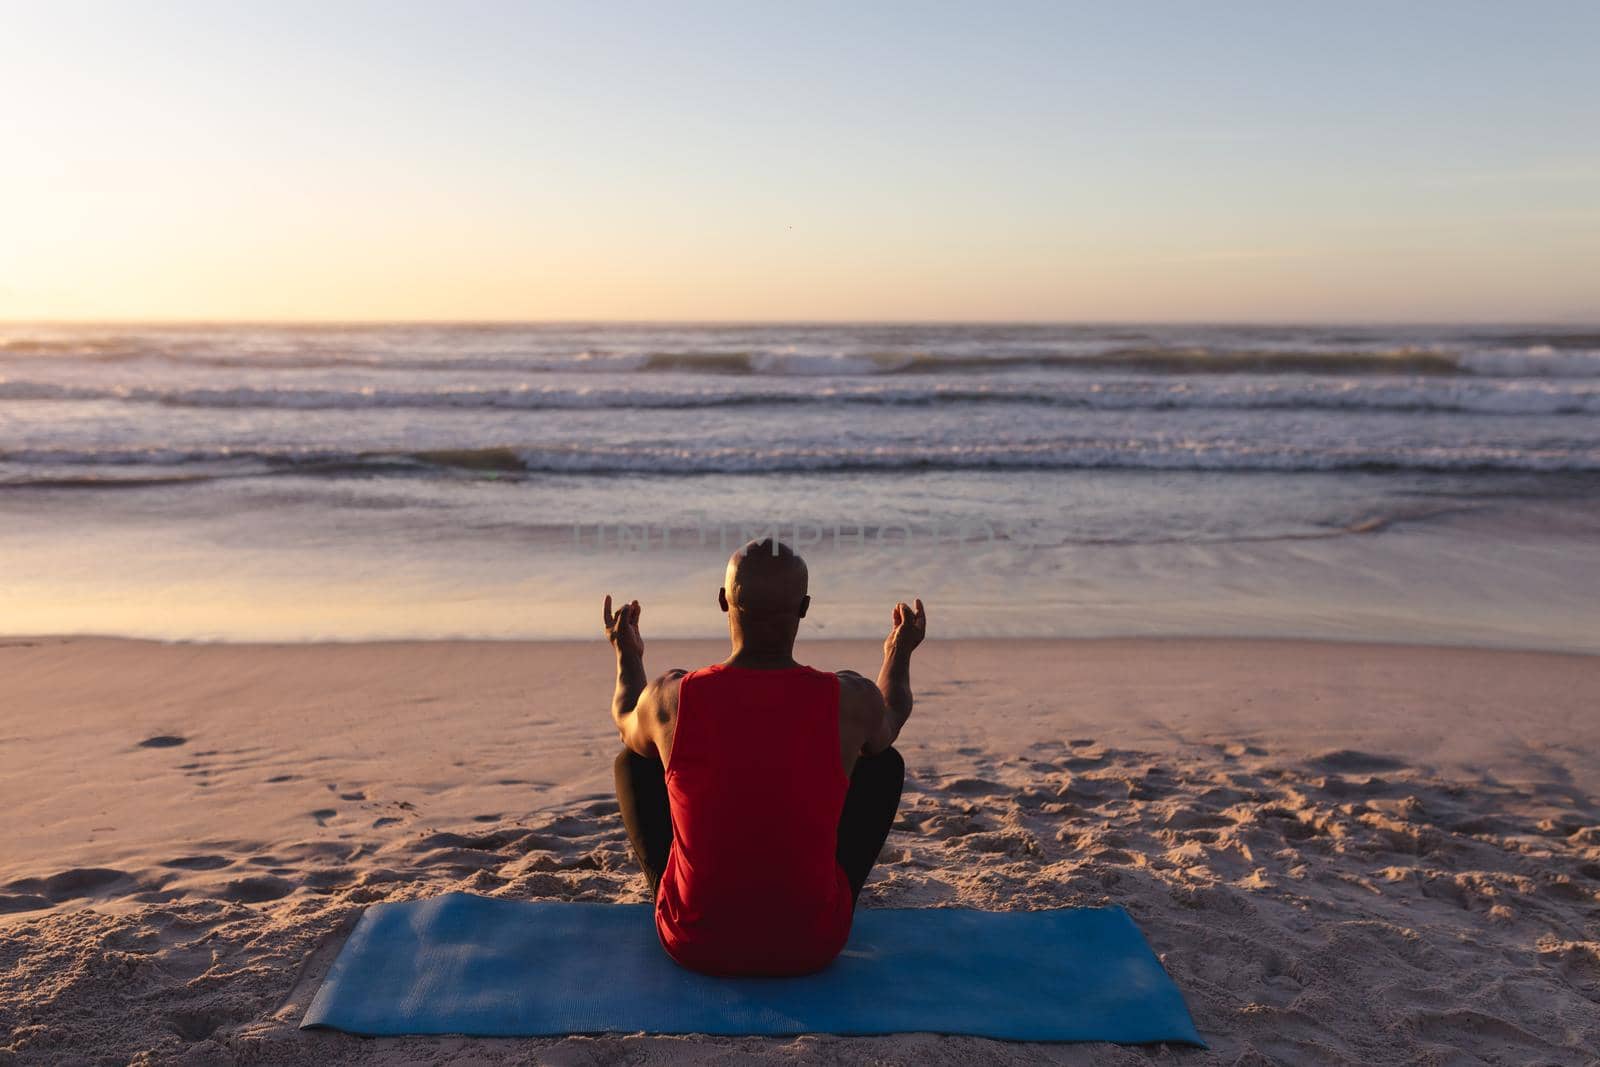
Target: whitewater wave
1543 360
1412 395
57 466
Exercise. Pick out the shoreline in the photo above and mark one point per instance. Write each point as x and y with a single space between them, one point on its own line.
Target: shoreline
305 561
8 640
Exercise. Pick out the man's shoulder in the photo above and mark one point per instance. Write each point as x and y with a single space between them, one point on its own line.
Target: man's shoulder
666 683
672 674
858 693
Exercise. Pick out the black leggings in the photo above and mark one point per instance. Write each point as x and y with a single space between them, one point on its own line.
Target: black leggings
869 809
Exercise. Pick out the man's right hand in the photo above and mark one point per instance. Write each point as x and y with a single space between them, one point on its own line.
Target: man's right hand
623 628
910 626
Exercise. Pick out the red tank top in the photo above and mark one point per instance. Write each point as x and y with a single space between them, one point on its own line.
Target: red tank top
755 786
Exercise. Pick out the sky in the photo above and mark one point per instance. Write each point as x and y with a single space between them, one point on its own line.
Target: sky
353 161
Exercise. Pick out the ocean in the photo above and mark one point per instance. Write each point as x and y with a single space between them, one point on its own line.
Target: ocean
1416 484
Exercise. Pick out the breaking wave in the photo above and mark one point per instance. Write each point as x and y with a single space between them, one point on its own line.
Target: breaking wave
1552 358
60 467
1128 394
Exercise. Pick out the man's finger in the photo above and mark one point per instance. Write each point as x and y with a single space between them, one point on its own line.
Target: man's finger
922 616
607 611
904 611
894 614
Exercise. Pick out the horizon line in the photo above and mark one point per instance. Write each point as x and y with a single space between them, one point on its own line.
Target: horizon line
1573 323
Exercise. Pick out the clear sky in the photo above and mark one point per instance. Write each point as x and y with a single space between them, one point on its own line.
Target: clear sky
1105 161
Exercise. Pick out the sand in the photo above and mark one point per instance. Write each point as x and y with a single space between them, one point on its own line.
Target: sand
1341 852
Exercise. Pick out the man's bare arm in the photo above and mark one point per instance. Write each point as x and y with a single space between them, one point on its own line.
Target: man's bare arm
623 630
894 679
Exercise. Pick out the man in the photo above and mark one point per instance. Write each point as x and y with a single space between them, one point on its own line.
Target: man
758 792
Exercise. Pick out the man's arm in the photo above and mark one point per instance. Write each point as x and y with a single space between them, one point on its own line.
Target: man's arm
894 679
623 630
643 710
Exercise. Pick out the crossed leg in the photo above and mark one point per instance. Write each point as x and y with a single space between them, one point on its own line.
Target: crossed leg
869 810
642 796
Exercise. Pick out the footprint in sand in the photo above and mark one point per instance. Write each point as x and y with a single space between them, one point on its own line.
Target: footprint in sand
198 1025
1348 760
275 779
256 889
488 842
81 881
198 863
325 878
67 885
11 903
357 795
163 741
322 815
974 787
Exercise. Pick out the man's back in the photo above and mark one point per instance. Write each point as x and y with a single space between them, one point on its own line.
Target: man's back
758 793
756 787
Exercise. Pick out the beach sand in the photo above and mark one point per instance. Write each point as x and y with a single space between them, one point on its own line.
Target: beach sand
1341 852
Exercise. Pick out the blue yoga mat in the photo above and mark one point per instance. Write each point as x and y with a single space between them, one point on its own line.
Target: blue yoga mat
464 964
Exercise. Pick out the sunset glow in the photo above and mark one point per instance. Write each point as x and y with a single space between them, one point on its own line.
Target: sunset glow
387 162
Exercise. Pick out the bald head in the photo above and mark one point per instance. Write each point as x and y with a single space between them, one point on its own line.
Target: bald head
764 577
764 594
